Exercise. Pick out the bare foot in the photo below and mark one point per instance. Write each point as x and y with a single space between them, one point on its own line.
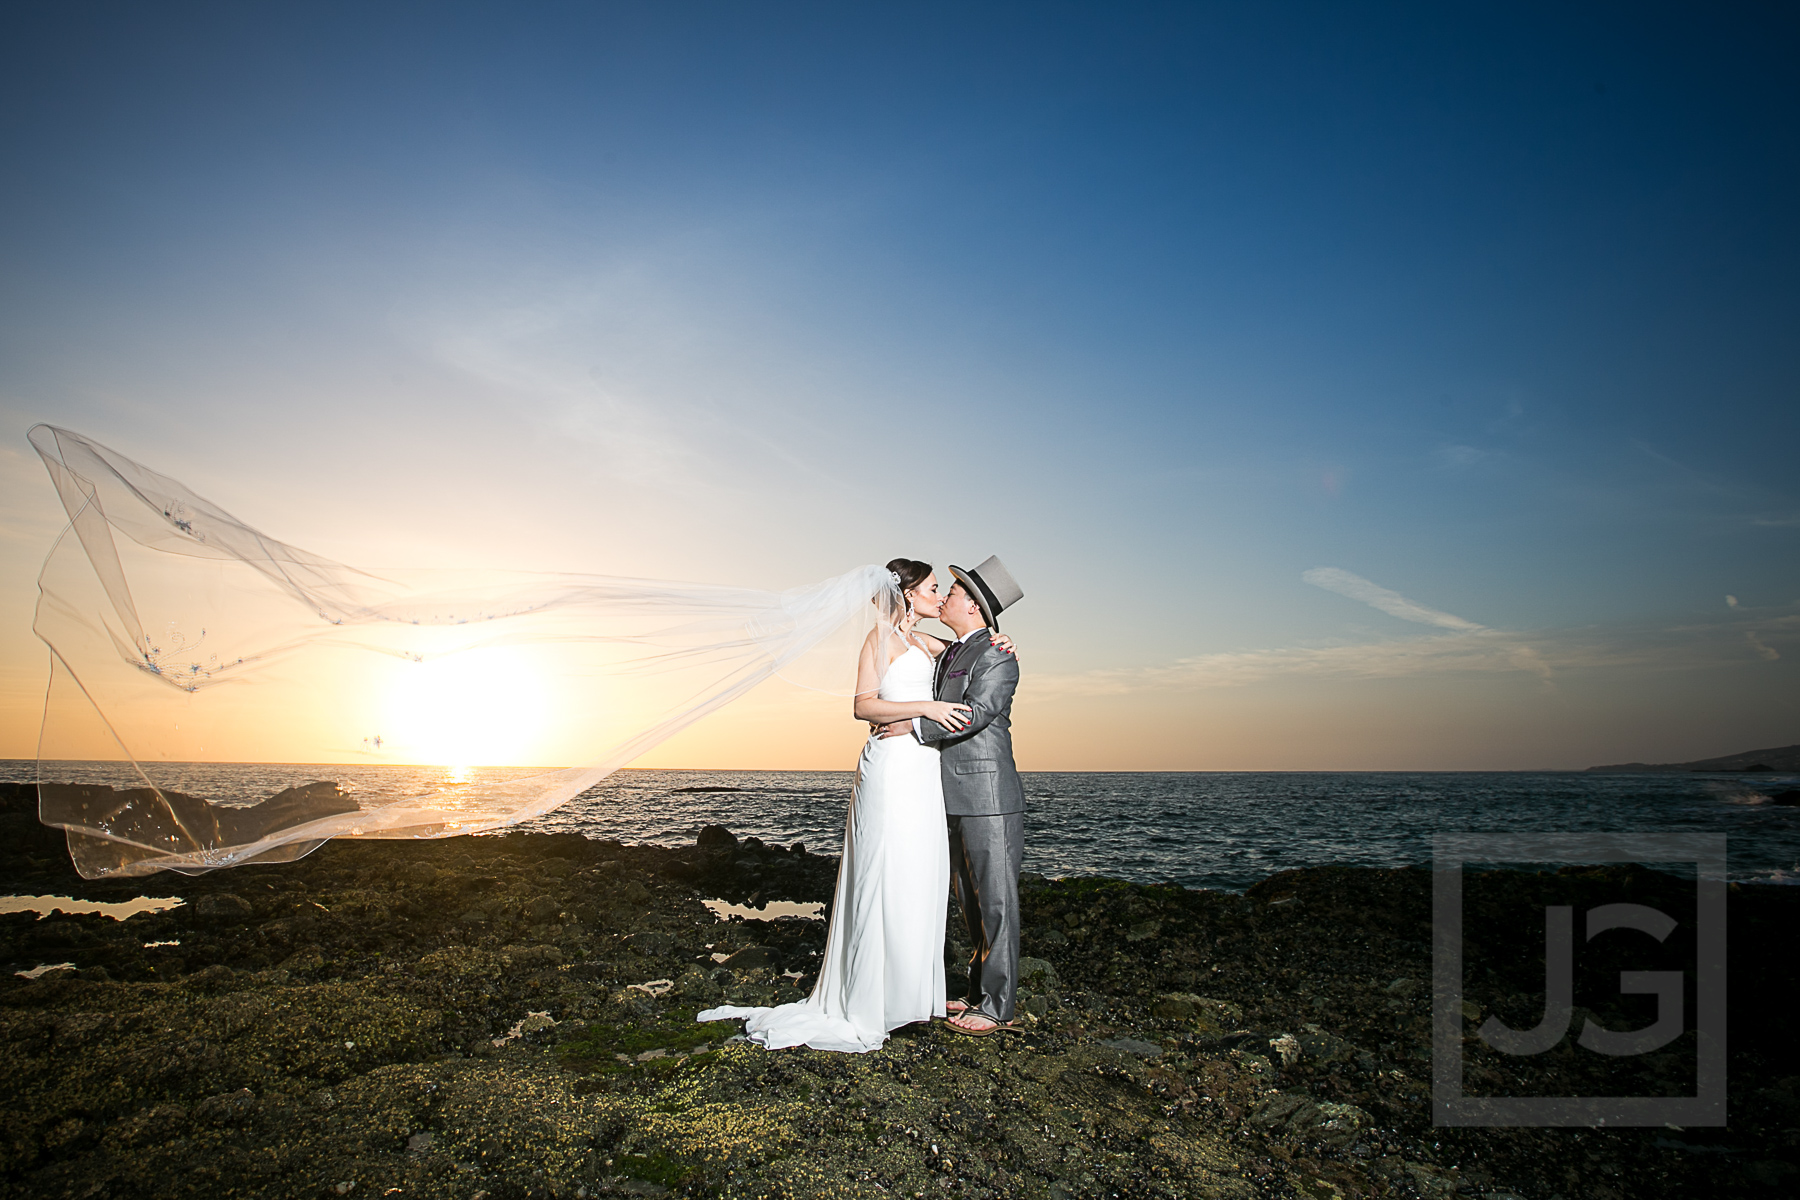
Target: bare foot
954 1007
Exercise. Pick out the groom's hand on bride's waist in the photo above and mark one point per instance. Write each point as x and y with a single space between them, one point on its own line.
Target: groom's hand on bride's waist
891 729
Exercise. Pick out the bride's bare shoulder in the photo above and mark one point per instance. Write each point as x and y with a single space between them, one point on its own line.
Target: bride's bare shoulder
933 646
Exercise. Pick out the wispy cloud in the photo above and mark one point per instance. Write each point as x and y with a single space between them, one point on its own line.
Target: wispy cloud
1239 668
1755 505
1333 579
1471 649
583 361
1761 647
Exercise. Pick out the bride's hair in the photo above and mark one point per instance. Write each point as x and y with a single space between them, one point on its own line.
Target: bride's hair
910 571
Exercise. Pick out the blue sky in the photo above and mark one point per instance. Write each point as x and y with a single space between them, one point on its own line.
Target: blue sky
1494 308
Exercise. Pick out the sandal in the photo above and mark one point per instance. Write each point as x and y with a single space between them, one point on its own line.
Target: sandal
996 1027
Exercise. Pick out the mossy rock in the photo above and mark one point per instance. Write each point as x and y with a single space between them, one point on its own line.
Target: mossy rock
652 1168
677 1032
1207 1016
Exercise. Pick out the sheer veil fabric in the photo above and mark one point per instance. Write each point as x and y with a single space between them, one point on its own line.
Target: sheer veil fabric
181 634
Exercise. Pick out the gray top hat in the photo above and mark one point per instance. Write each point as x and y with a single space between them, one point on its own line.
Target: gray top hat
992 586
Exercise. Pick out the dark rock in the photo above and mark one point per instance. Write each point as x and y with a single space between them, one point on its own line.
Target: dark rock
140 813
223 906
216 978
1149 1075
534 957
1293 1115
1038 974
1787 799
652 942
304 960
540 908
1205 1015
1320 1046
1341 1125
1176 1006
716 836
1286 1110
751 956
1771 1173
1141 1049
227 1108
57 933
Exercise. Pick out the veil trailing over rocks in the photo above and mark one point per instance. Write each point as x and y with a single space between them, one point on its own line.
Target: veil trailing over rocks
182 638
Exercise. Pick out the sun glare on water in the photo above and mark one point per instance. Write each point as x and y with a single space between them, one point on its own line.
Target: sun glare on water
475 708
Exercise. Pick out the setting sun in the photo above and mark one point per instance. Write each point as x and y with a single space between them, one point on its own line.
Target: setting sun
475 708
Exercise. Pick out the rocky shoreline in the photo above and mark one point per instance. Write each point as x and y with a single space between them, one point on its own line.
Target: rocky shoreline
512 1016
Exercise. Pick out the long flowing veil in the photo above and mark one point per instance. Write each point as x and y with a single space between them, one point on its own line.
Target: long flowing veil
182 637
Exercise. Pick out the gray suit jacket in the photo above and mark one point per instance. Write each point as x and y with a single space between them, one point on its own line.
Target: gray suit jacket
980 779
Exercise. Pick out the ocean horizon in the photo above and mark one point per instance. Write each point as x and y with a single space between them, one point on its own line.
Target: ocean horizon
1214 829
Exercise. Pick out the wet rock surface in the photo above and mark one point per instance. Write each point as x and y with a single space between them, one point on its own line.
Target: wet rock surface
513 1017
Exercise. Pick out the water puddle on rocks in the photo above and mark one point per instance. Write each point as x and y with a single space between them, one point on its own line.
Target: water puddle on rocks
773 910
45 969
118 910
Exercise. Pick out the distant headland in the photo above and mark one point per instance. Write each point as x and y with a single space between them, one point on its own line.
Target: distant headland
1786 758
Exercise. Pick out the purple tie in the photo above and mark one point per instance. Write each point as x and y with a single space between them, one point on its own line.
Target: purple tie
943 671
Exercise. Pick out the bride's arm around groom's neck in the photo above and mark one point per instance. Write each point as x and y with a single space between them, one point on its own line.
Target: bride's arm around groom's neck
993 678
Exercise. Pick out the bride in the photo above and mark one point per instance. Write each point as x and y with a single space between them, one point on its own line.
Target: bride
884 954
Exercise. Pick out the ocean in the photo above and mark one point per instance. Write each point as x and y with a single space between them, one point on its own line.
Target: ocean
1198 829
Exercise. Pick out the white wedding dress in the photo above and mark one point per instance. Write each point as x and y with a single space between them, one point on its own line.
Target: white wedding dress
884 953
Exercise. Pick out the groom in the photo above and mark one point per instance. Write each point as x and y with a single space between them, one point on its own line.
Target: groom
982 797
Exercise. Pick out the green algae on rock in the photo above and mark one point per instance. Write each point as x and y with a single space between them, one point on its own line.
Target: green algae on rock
512 1016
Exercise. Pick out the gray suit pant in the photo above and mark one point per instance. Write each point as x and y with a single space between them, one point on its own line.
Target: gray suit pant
985 856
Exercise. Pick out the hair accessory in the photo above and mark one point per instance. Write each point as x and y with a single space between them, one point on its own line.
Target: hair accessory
895 576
